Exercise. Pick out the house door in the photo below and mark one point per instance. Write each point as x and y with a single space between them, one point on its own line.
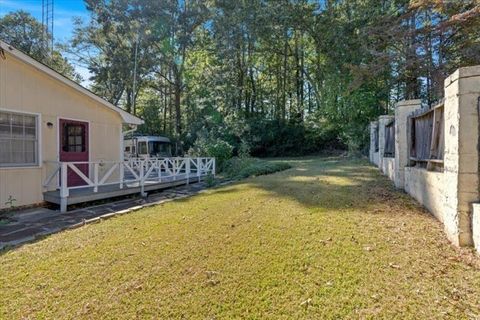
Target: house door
74 148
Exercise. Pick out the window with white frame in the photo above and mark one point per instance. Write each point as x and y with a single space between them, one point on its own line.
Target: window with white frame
18 139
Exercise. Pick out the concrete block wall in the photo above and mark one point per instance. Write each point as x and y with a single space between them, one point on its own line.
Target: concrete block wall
461 161
453 195
428 188
388 167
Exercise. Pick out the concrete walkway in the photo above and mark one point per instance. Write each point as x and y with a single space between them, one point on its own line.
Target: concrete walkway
28 225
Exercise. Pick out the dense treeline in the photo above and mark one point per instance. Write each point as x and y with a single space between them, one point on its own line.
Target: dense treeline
272 77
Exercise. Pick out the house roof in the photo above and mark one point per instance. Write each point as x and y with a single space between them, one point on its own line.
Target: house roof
127 117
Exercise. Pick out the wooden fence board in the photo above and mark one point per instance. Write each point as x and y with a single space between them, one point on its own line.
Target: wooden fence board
389 150
426 145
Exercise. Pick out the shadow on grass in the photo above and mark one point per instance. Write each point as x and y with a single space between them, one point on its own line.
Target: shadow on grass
329 184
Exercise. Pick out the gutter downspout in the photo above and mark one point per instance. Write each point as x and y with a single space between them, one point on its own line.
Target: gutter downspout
124 134
130 131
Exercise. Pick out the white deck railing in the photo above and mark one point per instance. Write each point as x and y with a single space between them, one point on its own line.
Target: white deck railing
133 172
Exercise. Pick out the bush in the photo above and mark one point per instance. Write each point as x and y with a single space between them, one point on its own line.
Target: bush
212 147
210 180
244 149
273 138
237 168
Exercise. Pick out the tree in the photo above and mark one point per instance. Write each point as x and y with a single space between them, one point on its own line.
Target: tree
25 33
283 76
116 45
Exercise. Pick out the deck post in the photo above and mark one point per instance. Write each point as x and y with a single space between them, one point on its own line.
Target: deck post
213 167
95 177
142 179
122 174
174 169
187 169
199 169
159 169
63 186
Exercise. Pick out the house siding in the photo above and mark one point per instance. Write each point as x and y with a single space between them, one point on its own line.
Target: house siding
23 88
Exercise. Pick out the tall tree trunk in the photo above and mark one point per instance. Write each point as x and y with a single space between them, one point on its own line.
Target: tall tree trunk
128 104
411 72
165 106
284 76
254 92
178 114
302 81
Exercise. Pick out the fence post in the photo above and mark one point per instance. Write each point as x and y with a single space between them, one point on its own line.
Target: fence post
402 111
461 169
63 186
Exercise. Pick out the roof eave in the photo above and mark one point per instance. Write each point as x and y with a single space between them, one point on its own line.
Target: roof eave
128 118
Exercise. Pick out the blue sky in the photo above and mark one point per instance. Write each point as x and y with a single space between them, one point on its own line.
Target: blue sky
64 11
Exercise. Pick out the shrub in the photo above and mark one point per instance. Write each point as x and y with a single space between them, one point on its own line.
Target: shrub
210 180
237 168
244 149
212 147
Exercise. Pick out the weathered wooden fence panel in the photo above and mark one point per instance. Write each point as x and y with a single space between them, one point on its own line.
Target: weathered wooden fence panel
427 134
389 150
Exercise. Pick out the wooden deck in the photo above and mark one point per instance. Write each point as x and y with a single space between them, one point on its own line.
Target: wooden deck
86 194
109 179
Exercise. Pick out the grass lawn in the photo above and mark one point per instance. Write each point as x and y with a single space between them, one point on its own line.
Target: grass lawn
329 238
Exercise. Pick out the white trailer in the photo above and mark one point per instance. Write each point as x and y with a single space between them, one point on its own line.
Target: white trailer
145 147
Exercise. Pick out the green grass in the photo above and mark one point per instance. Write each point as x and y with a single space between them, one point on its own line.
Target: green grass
240 168
327 239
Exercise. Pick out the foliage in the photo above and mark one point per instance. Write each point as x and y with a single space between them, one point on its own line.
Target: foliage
283 77
244 150
21 30
10 203
210 180
206 146
237 168
286 78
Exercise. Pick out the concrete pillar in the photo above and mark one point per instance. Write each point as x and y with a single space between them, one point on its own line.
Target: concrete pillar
402 110
382 122
462 91
373 128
